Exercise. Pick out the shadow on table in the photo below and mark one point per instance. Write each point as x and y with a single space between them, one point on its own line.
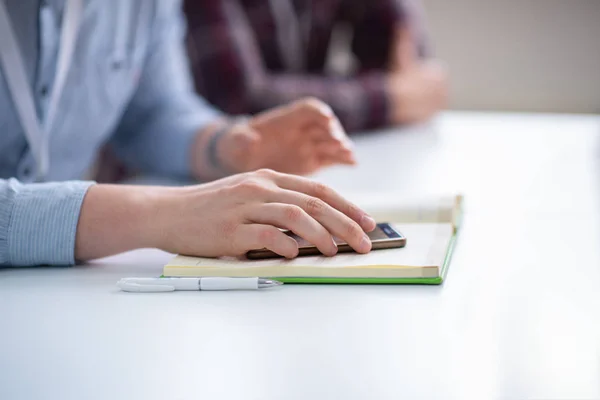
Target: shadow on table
46 268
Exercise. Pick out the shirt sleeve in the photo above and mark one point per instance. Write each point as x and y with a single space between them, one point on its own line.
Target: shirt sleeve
38 222
375 25
227 63
165 114
374 32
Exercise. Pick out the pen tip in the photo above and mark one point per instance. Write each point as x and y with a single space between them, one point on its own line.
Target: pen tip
268 283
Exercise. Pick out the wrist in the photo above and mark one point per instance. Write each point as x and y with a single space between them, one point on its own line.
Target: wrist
216 152
147 205
222 150
201 168
115 219
393 94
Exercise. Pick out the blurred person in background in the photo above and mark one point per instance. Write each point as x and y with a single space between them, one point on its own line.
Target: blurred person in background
249 55
77 74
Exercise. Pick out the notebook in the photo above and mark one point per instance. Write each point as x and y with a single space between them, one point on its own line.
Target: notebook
429 224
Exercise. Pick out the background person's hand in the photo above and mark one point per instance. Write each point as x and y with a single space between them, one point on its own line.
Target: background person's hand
298 138
231 216
417 89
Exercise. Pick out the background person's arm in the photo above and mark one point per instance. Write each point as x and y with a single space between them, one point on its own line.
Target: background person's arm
229 68
375 27
390 36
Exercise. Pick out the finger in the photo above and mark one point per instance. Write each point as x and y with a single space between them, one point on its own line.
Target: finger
331 148
311 111
297 220
343 158
323 147
328 195
319 162
333 130
337 223
244 138
406 49
339 133
327 162
327 146
258 236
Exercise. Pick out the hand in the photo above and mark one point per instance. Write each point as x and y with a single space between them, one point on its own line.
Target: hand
243 212
227 217
417 89
298 138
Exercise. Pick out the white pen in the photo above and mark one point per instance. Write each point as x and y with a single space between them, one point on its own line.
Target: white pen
151 285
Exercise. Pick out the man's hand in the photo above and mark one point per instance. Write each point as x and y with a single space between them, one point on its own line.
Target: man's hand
298 138
417 89
227 217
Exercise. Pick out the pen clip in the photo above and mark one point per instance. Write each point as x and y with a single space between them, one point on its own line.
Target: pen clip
136 287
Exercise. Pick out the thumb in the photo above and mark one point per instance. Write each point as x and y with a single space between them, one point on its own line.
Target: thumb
406 50
242 148
245 135
244 139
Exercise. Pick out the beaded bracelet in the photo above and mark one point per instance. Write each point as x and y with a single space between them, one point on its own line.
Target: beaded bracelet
213 156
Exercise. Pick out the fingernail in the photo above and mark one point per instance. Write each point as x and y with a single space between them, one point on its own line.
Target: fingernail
294 254
366 220
337 132
334 249
365 244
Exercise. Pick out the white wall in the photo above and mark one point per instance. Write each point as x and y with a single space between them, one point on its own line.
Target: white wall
529 55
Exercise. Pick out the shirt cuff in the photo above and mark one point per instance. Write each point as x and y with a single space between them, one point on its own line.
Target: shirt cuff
376 101
165 147
174 152
38 222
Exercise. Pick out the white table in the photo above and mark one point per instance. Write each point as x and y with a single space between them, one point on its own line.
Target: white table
518 318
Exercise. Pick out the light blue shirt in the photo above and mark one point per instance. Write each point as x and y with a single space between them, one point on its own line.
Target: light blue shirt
128 84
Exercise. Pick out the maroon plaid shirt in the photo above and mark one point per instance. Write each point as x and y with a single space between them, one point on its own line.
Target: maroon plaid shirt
239 66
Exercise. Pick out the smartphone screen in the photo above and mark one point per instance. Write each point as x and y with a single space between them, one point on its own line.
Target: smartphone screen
384 236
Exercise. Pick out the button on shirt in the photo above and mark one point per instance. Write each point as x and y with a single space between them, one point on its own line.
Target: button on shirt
128 84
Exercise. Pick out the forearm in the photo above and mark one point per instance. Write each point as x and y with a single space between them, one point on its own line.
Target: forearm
231 73
118 218
359 102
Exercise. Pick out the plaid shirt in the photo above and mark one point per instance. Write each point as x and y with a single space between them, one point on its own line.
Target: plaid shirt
239 65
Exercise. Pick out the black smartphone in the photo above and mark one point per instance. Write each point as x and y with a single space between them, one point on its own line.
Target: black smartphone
384 236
